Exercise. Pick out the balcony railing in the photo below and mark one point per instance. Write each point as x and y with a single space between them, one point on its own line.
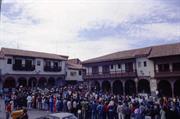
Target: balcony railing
23 68
167 73
111 74
52 69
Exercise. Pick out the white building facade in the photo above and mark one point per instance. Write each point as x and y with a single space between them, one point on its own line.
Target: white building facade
145 70
33 69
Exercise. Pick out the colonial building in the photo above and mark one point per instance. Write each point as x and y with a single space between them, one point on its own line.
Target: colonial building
144 70
29 68
74 71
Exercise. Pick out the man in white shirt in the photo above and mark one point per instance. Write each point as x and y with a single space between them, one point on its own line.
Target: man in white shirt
29 101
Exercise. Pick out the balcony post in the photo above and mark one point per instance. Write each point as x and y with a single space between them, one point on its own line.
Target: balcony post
170 67
156 68
17 82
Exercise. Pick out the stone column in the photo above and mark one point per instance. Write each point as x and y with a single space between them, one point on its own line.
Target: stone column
123 85
153 86
136 84
172 86
100 84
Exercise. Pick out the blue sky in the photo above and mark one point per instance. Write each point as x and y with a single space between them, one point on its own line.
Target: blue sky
88 28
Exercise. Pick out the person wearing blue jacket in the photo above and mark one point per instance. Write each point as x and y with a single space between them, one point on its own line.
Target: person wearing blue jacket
51 103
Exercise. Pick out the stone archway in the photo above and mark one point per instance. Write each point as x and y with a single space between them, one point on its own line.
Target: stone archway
143 86
106 86
177 88
42 82
130 87
118 87
9 82
164 88
22 81
51 82
95 86
32 82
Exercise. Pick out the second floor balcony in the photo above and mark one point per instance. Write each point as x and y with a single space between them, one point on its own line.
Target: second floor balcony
111 74
161 74
52 69
23 67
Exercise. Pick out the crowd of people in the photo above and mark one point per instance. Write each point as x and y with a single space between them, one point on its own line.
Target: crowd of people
85 104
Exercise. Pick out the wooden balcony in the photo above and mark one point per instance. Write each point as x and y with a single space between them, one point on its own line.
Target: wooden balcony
23 67
114 74
167 74
52 69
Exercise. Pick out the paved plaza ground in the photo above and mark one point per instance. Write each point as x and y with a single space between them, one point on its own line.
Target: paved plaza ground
31 113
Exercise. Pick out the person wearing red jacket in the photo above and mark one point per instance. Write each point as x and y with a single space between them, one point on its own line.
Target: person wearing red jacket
8 110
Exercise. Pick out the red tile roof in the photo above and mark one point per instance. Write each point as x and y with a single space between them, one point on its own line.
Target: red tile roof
121 55
165 50
150 52
17 52
74 66
74 61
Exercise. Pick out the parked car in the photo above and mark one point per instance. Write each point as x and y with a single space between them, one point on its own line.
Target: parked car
62 115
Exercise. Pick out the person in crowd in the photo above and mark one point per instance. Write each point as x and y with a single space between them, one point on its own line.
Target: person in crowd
8 110
29 101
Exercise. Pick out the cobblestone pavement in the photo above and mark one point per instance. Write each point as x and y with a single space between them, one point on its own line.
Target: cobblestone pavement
31 113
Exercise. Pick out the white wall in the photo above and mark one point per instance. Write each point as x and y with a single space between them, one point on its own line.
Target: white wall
7 68
145 71
75 77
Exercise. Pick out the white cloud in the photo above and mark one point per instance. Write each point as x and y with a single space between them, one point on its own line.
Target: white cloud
61 20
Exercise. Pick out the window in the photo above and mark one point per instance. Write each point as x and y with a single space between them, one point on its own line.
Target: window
163 67
55 64
9 61
38 62
18 62
139 64
95 70
129 67
112 66
48 63
119 66
73 73
176 66
105 69
28 63
145 63
80 73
